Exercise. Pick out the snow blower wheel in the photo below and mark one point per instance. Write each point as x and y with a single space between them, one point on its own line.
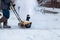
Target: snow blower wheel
28 25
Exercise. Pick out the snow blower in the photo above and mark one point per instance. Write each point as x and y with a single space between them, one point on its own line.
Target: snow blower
23 24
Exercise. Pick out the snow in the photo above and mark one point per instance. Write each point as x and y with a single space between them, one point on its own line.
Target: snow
22 34
45 20
44 26
38 18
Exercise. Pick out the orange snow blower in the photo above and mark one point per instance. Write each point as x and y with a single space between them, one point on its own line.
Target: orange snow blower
23 24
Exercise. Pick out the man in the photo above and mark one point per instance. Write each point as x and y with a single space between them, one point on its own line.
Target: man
5 6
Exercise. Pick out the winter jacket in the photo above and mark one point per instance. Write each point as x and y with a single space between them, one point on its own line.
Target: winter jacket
5 4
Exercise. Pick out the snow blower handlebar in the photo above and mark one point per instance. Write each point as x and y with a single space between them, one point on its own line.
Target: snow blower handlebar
21 23
16 13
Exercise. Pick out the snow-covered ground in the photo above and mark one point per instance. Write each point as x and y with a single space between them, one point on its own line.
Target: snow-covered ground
38 18
22 34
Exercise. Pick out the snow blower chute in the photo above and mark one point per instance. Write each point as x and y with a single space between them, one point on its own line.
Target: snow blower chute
23 24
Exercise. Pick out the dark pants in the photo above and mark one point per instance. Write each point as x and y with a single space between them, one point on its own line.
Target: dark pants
6 13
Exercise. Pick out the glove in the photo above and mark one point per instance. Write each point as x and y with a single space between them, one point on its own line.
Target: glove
13 5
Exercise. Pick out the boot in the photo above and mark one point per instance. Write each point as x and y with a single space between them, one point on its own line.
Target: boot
5 25
2 20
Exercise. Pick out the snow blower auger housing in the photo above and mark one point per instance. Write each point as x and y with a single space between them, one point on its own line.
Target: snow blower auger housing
26 24
23 24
